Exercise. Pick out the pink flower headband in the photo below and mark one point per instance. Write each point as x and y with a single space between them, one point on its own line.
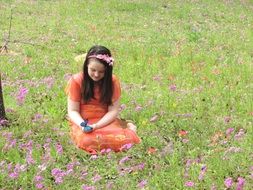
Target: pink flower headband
103 57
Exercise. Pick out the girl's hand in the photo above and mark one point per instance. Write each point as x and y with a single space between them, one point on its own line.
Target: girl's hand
87 129
94 126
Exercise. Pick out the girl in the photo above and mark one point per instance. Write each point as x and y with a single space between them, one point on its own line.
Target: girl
93 106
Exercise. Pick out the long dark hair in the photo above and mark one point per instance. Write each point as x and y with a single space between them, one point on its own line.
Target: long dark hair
105 85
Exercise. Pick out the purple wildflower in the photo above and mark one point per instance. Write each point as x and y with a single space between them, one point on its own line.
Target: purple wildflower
229 131
21 95
189 184
202 172
228 182
240 134
9 167
38 178
86 187
142 184
58 175
36 117
105 151
27 133
83 174
138 108
59 148
29 158
139 167
124 159
3 122
173 87
240 183
39 186
14 175
96 178
126 146
58 180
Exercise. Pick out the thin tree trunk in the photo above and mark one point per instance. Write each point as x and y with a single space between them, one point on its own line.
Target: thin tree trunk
2 110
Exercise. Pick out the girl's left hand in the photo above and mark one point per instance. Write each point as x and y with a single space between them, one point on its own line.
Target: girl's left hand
94 126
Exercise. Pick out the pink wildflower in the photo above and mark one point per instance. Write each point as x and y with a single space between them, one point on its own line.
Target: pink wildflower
14 175
59 148
39 186
229 131
228 182
139 167
86 187
240 183
29 158
96 178
240 134
126 158
36 117
202 172
138 108
38 178
173 87
21 95
3 122
189 184
126 146
142 184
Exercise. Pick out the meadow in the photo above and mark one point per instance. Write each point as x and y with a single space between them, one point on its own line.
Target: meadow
185 68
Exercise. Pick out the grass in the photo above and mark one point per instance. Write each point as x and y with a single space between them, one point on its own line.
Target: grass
186 64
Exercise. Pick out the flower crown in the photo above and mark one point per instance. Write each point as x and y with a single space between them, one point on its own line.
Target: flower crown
103 57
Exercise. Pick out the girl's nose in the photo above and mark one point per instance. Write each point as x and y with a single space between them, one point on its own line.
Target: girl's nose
96 74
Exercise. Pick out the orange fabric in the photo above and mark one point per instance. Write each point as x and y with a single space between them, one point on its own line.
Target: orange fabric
112 136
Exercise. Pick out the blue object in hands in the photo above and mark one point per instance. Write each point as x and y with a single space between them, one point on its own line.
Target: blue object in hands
85 127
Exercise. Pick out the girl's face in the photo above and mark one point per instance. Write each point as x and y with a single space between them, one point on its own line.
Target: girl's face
96 70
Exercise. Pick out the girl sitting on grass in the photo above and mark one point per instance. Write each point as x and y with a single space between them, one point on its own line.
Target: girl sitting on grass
93 106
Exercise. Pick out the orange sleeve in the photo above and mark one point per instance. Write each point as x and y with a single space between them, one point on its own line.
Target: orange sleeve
73 90
116 89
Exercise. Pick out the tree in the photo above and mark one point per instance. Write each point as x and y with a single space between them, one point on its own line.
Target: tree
2 110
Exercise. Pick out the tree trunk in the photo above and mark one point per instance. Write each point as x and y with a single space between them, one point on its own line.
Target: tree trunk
2 110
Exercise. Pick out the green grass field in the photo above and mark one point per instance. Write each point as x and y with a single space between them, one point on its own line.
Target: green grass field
186 75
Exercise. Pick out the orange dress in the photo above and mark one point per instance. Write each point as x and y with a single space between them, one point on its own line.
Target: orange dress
112 136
